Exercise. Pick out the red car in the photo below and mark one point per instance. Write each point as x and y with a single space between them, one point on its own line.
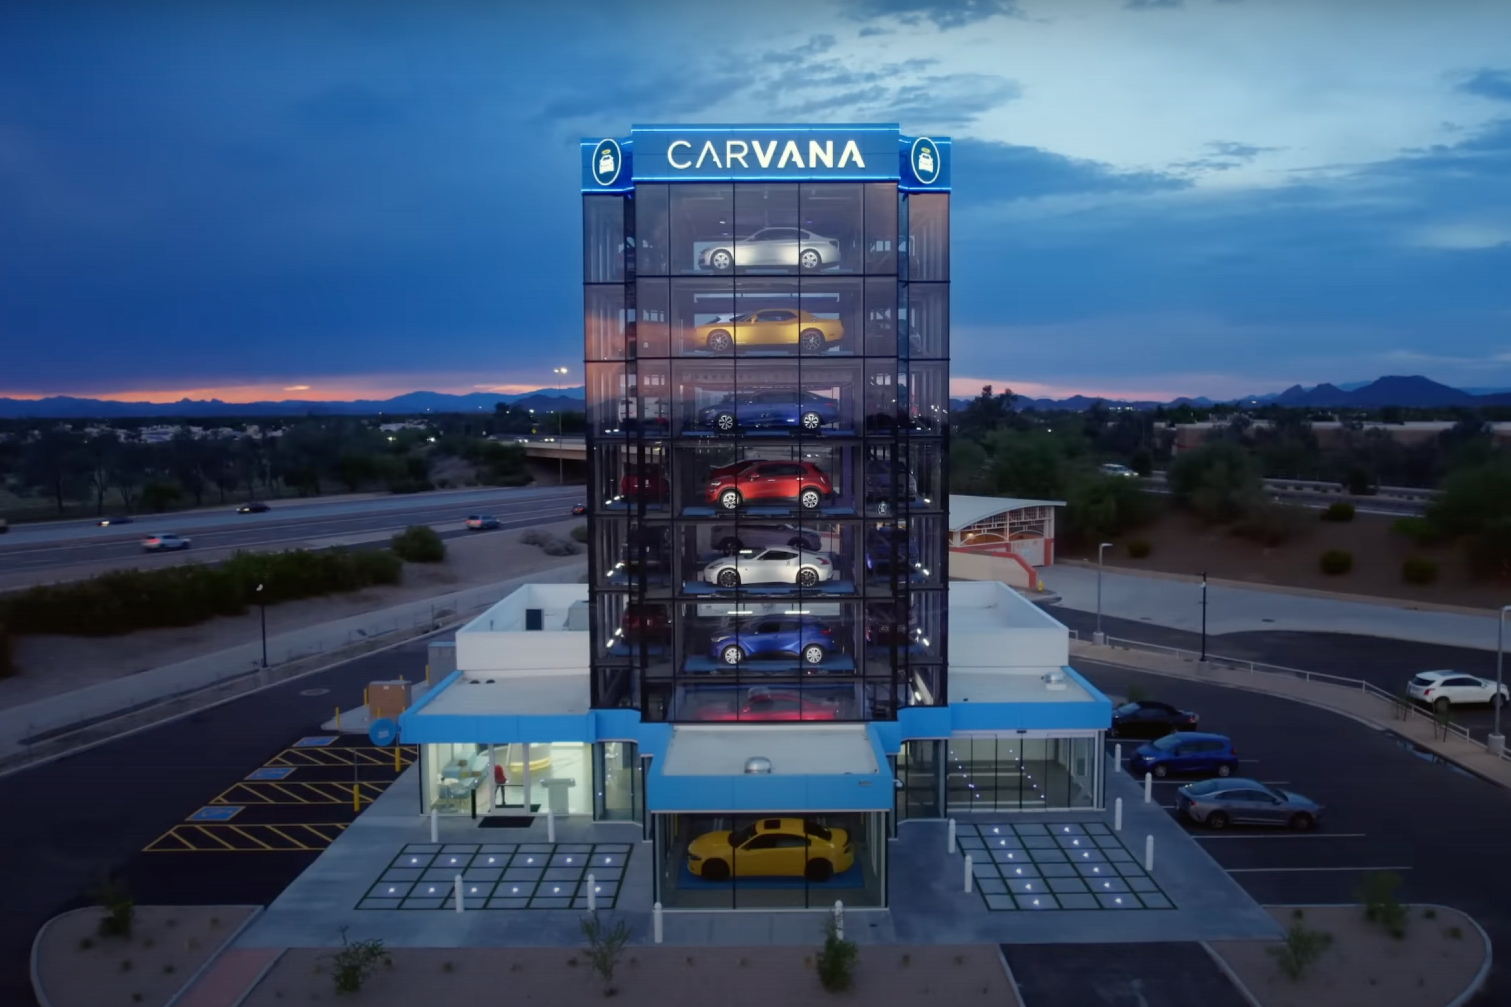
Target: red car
579 509
645 622
646 482
804 482
775 706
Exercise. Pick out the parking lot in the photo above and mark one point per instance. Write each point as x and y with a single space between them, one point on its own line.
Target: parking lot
1385 807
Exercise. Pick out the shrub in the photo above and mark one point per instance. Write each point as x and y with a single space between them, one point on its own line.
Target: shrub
1140 548
419 544
580 533
550 544
355 962
604 947
1417 570
836 961
1268 524
1336 562
1339 510
1359 481
1377 890
119 906
1219 482
1423 531
1301 950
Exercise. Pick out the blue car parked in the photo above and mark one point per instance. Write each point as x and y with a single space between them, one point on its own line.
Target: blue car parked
1185 752
809 641
771 409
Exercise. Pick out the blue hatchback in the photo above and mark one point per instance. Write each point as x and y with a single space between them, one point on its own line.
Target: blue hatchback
811 642
767 409
1185 752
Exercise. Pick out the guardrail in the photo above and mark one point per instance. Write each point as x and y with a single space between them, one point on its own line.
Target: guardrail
1404 708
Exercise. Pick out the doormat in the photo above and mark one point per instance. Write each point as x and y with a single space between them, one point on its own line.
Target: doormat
533 807
505 822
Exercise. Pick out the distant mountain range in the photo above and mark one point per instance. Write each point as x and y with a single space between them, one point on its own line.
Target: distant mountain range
410 404
1414 391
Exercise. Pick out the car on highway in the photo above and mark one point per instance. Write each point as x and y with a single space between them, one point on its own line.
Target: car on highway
253 507
1219 803
106 522
770 566
792 636
1185 752
1442 690
807 411
578 509
804 482
772 246
766 704
481 522
166 542
772 848
1147 719
773 327
1120 471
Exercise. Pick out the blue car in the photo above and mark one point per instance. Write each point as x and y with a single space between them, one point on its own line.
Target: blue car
1185 752
769 410
809 641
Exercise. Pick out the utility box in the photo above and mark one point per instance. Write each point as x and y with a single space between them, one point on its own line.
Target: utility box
388 699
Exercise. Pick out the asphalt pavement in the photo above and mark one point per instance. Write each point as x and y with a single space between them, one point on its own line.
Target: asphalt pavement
42 548
1385 808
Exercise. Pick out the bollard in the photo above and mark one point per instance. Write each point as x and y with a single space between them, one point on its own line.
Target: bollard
592 895
356 799
396 766
1148 788
458 893
952 835
550 826
338 718
1149 854
656 921
1117 815
1117 758
839 919
365 703
968 876
435 826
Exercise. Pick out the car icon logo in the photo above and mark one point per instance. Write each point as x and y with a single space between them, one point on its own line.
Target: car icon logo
606 162
925 160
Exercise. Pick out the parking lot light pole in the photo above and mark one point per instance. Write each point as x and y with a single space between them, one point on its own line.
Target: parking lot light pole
262 610
1497 740
1203 658
1099 637
561 464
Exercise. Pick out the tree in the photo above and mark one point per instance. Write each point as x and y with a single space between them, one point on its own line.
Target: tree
1217 481
159 495
189 460
55 464
1026 464
99 454
356 471
986 413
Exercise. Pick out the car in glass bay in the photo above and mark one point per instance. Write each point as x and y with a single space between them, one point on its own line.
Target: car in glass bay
1218 803
1185 752
773 246
801 481
770 566
730 539
792 636
766 705
767 410
1149 719
772 847
769 327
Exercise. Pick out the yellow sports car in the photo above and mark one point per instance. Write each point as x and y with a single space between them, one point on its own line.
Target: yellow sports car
770 327
772 848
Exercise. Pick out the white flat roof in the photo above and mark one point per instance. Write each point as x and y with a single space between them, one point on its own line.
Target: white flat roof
980 606
1020 685
796 750
520 694
967 510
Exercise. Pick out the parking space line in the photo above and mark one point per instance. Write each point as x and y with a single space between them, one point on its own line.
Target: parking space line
213 836
1285 835
1288 870
253 838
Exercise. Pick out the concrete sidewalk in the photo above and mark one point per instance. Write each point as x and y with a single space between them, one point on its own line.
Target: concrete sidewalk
33 730
1175 603
1365 707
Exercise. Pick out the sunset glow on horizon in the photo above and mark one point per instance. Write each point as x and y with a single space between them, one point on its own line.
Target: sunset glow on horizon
334 389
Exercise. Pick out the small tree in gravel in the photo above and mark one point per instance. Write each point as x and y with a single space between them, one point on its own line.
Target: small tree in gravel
1301 950
355 962
605 944
836 961
119 906
419 544
1377 890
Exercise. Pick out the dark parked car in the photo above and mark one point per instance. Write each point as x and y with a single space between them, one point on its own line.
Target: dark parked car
648 623
887 548
806 411
796 637
255 507
106 522
888 480
1216 803
1185 752
730 539
1146 719
646 482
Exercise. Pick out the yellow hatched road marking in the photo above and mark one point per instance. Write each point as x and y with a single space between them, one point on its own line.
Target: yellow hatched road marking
180 840
317 792
213 836
253 838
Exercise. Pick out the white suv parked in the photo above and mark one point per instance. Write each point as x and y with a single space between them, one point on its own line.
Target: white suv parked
1444 689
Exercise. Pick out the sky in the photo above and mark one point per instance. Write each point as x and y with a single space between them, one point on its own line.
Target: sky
1152 198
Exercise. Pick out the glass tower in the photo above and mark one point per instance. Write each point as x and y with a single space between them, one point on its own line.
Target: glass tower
767 369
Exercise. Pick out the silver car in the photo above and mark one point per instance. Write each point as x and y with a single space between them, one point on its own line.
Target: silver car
165 542
773 246
770 566
1217 803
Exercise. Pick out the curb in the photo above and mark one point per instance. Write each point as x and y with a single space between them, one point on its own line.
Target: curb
1227 970
257 981
214 955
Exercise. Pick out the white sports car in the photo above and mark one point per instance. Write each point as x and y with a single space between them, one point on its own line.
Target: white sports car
770 566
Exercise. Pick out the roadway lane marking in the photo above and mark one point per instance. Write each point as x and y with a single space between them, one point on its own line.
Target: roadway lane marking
1287 835
1186 783
1297 870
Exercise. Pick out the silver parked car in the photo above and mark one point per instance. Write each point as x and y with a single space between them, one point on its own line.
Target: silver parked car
165 542
1217 803
770 566
773 246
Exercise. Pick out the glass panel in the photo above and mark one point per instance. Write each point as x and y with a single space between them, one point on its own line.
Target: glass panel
702 225
918 765
929 236
604 316
652 319
926 404
832 313
767 320
767 238
456 775
607 398
603 242
881 227
619 781
701 317
832 217
881 317
652 229
928 320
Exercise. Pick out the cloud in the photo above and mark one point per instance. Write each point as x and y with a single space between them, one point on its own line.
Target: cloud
1228 155
296 388
813 47
997 171
1151 4
945 14
1493 84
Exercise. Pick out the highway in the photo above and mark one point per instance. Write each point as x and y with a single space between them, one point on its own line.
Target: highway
56 546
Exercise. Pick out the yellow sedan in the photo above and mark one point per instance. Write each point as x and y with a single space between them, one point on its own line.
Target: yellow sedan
772 848
770 327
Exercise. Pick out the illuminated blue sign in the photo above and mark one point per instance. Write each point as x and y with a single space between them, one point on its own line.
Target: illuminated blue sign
735 153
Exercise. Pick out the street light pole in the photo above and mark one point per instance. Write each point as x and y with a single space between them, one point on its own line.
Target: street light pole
1098 637
262 610
1497 743
1203 658
561 463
